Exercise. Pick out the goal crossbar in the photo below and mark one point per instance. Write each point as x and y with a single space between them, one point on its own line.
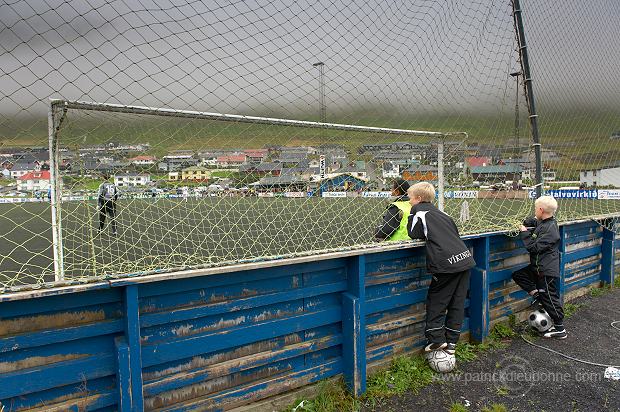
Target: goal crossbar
192 114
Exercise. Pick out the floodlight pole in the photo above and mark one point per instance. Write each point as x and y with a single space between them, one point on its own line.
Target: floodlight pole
516 75
322 108
529 92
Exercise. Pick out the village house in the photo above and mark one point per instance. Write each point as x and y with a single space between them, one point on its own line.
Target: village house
132 179
256 155
20 169
496 173
142 160
609 176
357 169
478 161
196 173
34 181
262 169
179 154
231 160
420 173
174 164
307 150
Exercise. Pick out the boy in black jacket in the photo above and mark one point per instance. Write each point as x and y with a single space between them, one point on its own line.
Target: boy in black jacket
449 262
541 237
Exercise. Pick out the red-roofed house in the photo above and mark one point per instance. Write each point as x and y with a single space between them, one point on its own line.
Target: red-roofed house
256 155
478 161
232 160
34 181
143 160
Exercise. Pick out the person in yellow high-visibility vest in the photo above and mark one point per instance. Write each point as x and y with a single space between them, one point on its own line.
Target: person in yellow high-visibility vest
394 225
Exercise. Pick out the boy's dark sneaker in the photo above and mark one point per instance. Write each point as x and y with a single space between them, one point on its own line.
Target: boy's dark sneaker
435 346
556 333
450 348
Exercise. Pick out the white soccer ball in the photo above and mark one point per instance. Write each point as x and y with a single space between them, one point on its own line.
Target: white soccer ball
540 320
441 361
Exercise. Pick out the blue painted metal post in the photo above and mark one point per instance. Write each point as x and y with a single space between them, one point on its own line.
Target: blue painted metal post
132 332
479 291
123 374
562 279
608 258
354 326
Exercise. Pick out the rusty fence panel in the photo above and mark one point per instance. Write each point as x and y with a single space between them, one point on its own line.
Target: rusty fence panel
218 339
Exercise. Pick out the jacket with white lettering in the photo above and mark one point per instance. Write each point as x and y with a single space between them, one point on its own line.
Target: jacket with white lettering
445 251
543 243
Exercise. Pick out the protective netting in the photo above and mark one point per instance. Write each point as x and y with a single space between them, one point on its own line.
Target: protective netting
189 188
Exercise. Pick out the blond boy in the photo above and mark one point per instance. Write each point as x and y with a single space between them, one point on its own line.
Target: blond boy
540 279
448 260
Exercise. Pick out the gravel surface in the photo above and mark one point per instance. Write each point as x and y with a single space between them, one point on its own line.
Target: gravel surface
526 378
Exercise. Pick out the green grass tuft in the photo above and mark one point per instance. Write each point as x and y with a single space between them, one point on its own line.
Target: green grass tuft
570 309
496 407
603 290
503 330
458 407
466 352
502 391
331 397
406 373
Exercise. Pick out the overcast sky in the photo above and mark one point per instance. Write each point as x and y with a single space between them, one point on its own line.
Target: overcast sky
418 56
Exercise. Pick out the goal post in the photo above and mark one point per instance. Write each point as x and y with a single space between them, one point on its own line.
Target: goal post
55 116
161 233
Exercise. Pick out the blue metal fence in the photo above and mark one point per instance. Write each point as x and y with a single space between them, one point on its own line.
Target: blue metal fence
220 338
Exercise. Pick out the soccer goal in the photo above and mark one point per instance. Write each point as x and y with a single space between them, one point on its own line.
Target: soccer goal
137 190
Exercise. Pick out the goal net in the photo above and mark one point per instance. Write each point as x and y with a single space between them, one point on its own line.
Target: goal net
192 188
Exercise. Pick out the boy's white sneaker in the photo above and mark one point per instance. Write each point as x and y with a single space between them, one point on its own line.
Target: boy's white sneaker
555 333
435 346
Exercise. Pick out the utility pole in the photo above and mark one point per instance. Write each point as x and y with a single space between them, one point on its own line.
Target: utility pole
516 142
322 108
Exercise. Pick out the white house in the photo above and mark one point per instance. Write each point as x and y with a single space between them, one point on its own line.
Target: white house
548 175
132 179
179 154
601 177
208 159
391 170
143 160
33 181
20 169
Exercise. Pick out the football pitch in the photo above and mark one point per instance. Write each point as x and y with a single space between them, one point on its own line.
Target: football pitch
164 234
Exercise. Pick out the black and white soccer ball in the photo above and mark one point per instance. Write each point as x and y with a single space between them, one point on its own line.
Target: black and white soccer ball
540 320
441 361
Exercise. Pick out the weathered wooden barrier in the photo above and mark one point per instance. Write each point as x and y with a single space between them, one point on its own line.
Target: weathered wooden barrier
220 338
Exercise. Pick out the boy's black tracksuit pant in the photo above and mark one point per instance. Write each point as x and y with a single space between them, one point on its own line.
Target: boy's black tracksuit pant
548 291
446 295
